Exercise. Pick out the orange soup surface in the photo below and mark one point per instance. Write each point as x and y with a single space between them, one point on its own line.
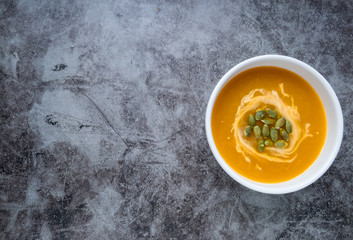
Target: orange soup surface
294 99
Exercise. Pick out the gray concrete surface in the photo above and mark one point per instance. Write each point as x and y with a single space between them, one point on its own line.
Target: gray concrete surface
102 109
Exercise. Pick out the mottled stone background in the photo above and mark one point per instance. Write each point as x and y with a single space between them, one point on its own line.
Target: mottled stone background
102 108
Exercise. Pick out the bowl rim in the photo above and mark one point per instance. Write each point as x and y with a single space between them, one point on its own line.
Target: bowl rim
282 187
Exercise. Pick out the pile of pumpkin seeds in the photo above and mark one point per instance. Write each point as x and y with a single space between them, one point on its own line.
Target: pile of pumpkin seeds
275 129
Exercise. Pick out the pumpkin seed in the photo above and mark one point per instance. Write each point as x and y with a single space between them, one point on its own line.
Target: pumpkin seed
261 145
284 135
257 131
247 131
269 136
288 126
280 122
268 142
268 121
265 131
251 120
274 134
281 144
259 115
271 113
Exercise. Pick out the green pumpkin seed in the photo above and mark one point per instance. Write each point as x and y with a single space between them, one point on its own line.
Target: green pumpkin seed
247 131
280 122
268 121
265 131
284 135
257 131
251 120
259 115
261 145
268 142
281 144
271 113
274 134
288 126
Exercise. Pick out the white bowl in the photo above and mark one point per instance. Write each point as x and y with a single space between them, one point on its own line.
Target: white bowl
333 115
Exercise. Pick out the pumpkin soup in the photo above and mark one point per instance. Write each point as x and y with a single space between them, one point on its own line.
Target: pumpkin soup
268 124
